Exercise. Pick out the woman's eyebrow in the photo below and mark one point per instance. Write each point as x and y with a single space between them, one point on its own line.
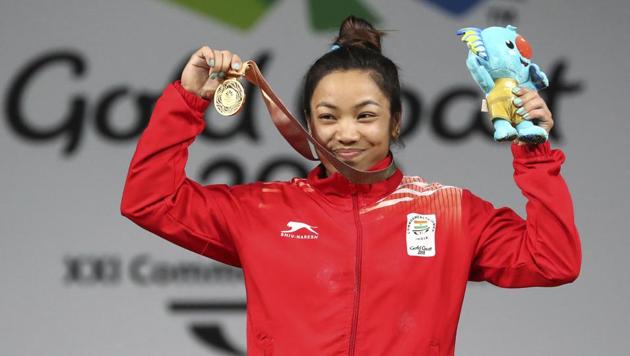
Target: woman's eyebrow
328 105
366 102
363 103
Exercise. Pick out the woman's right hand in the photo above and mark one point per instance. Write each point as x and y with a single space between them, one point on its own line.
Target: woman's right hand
206 69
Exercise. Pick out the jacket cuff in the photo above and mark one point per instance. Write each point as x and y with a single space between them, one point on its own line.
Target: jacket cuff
194 101
528 150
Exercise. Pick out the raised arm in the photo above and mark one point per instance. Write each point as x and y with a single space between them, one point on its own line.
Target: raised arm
158 196
543 250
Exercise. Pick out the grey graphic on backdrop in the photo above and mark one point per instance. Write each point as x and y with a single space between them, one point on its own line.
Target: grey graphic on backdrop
142 270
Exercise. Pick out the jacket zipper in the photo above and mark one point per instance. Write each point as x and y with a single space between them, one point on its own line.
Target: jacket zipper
357 274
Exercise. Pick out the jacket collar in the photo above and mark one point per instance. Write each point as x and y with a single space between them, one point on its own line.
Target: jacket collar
336 185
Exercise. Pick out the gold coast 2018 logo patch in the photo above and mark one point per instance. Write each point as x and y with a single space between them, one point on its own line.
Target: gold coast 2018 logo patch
421 235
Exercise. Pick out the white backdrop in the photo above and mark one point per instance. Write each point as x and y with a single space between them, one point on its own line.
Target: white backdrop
78 77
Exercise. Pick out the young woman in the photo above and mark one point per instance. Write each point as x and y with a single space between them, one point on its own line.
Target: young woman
336 268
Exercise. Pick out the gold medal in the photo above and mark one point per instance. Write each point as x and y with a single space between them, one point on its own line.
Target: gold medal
229 97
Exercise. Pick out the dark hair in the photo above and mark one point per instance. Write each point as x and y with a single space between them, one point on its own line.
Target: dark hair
358 47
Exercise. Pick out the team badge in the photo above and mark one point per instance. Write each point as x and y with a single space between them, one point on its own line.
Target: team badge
421 235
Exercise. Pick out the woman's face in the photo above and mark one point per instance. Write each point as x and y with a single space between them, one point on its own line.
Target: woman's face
351 117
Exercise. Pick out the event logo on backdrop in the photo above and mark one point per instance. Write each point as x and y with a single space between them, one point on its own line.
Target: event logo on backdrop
82 114
324 15
455 7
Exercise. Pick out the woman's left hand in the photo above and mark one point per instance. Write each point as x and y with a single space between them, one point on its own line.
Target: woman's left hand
534 107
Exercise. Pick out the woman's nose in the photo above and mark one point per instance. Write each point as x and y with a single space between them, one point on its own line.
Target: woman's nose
347 131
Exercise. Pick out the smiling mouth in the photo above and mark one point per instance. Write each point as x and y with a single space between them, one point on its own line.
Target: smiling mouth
347 154
525 64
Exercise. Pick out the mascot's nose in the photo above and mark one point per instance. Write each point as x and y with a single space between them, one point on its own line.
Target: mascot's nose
524 47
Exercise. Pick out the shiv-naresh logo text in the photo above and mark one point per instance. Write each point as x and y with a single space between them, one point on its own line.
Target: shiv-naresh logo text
300 230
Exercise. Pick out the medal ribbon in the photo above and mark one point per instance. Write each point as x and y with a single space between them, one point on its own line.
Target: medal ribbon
298 137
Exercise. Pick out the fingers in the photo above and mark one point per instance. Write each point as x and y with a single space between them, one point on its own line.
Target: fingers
203 58
207 55
532 106
223 61
207 68
543 116
227 62
236 62
218 64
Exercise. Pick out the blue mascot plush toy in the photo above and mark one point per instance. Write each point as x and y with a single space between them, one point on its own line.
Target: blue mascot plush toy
499 59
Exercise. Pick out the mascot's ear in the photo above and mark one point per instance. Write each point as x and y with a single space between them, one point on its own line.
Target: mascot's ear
472 37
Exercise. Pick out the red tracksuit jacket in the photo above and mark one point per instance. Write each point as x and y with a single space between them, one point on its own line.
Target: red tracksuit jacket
335 268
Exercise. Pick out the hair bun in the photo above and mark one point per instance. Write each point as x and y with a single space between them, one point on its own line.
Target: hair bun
357 32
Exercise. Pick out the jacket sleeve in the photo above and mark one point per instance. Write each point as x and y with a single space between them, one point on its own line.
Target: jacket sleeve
160 198
543 250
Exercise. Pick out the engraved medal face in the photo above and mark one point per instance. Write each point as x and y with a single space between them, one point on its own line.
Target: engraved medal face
229 97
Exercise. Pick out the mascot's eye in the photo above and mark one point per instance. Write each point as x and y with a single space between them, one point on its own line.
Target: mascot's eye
524 47
510 44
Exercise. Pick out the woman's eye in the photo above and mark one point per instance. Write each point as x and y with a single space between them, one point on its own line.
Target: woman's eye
365 115
326 117
510 44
